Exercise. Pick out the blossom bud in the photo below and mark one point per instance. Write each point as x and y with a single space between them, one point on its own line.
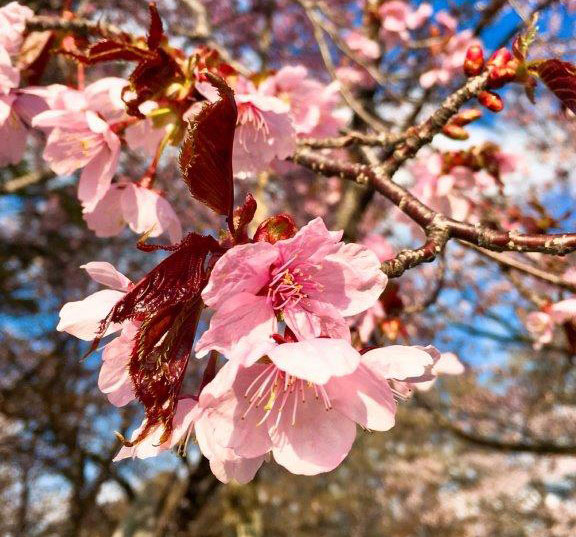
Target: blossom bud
456 132
501 75
490 100
500 58
276 228
466 116
474 62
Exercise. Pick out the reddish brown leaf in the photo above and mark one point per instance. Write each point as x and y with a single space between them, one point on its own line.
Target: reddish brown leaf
156 31
150 78
206 156
159 360
167 302
243 215
178 278
110 50
560 77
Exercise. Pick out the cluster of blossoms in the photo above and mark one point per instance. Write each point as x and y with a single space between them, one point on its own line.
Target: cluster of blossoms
293 384
454 183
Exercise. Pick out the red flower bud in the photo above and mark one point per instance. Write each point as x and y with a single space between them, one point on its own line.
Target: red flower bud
499 76
490 100
474 61
455 132
500 58
466 116
276 228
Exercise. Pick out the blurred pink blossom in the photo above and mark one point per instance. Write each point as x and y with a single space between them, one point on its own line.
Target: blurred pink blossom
264 133
13 18
398 19
449 60
312 104
144 210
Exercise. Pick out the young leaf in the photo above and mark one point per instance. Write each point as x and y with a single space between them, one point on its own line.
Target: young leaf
156 31
206 155
560 77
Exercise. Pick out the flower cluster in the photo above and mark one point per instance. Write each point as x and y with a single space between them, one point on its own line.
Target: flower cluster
293 384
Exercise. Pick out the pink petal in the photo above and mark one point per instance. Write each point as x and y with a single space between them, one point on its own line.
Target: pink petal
106 219
239 470
244 268
318 442
351 279
97 176
186 414
397 362
148 212
316 360
311 243
82 318
448 364
240 329
226 421
309 319
364 398
105 273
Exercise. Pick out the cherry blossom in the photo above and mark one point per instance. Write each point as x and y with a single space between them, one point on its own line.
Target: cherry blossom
17 109
541 324
313 106
302 404
449 60
144 210
398 19
312 281
365 47
13 18
264 133
82 318
82 137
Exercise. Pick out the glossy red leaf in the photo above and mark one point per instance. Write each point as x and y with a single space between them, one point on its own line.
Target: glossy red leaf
243 215
560 77
206 155
156 31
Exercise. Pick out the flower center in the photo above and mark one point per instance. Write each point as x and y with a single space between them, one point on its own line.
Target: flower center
274 390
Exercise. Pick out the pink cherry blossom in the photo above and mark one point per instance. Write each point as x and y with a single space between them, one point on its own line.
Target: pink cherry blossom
144 210
303 404
82 318
447 363
184 418
449 60
264 133
82 140
398 18
312 281
16 112
312 104
114 378
144 135
13 18
9 75
81 137
541 324
362 45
